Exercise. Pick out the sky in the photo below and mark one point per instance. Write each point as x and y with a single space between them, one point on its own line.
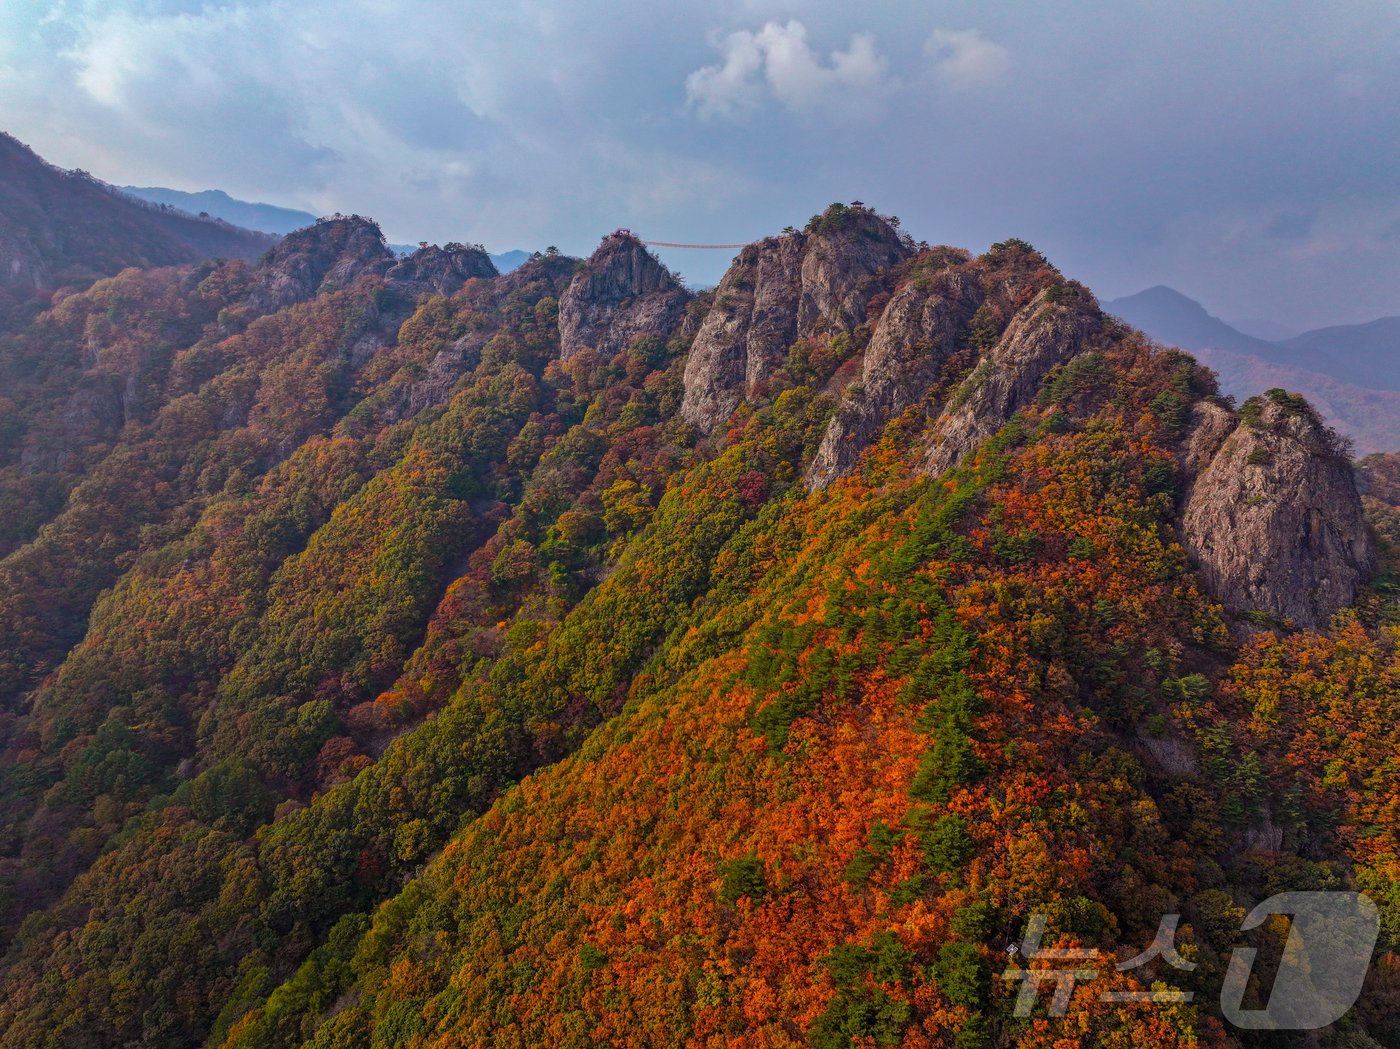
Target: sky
1246 153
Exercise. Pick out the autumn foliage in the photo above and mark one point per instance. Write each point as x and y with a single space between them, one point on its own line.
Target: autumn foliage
347 706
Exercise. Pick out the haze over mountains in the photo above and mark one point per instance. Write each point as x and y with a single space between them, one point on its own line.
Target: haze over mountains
1350 372
270 218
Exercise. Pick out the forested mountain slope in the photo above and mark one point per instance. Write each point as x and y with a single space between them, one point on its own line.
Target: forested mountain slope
62 228
432 657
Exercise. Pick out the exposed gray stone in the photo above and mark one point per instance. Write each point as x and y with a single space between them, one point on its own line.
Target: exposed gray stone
440 270
796 286
915 335
1274 520
621 292
750 326
331 254
1049 331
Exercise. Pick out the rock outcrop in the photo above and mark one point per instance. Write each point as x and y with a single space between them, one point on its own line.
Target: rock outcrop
621 292
438 380
1210 424
93 414
552 272
330 254
750 326
1056 326
442 271
1273 518
916 333
779 290
845 255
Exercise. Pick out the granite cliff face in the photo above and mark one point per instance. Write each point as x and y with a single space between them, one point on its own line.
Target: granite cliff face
441 271
781 289
751 324
916 334
330 254
621 292
1270 511
1273 517
842 265
1055 327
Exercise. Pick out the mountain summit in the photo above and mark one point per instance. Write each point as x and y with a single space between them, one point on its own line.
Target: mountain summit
398 653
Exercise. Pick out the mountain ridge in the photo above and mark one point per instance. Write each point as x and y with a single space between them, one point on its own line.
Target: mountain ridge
268 218
1351 371
395 660
67 228
271 218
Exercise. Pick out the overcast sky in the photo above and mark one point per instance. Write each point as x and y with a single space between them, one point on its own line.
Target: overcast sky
1246 152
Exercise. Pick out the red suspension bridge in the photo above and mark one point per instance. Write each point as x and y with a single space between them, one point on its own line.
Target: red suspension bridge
669 244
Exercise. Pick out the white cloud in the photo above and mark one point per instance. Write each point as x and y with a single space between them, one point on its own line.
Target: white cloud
551 121
726 89
964 58
778 60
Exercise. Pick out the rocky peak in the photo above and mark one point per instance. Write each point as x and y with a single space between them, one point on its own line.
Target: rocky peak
551 271
1056 326
917 332
444 270
800 285
621 292
748 329
327 255
1272 515
845 248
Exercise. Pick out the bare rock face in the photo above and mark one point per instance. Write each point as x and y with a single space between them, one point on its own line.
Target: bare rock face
843 252
330 254
1056 326
438 380
440 270
751 324
22 268
1274 520
1210 424
781 289
621 292
916 334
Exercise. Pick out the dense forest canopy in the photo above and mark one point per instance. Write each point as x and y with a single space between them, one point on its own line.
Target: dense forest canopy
394 653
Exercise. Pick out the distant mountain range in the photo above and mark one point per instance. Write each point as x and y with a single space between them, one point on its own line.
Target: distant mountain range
510 260
61 228
1351 372
269 218
1263 328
